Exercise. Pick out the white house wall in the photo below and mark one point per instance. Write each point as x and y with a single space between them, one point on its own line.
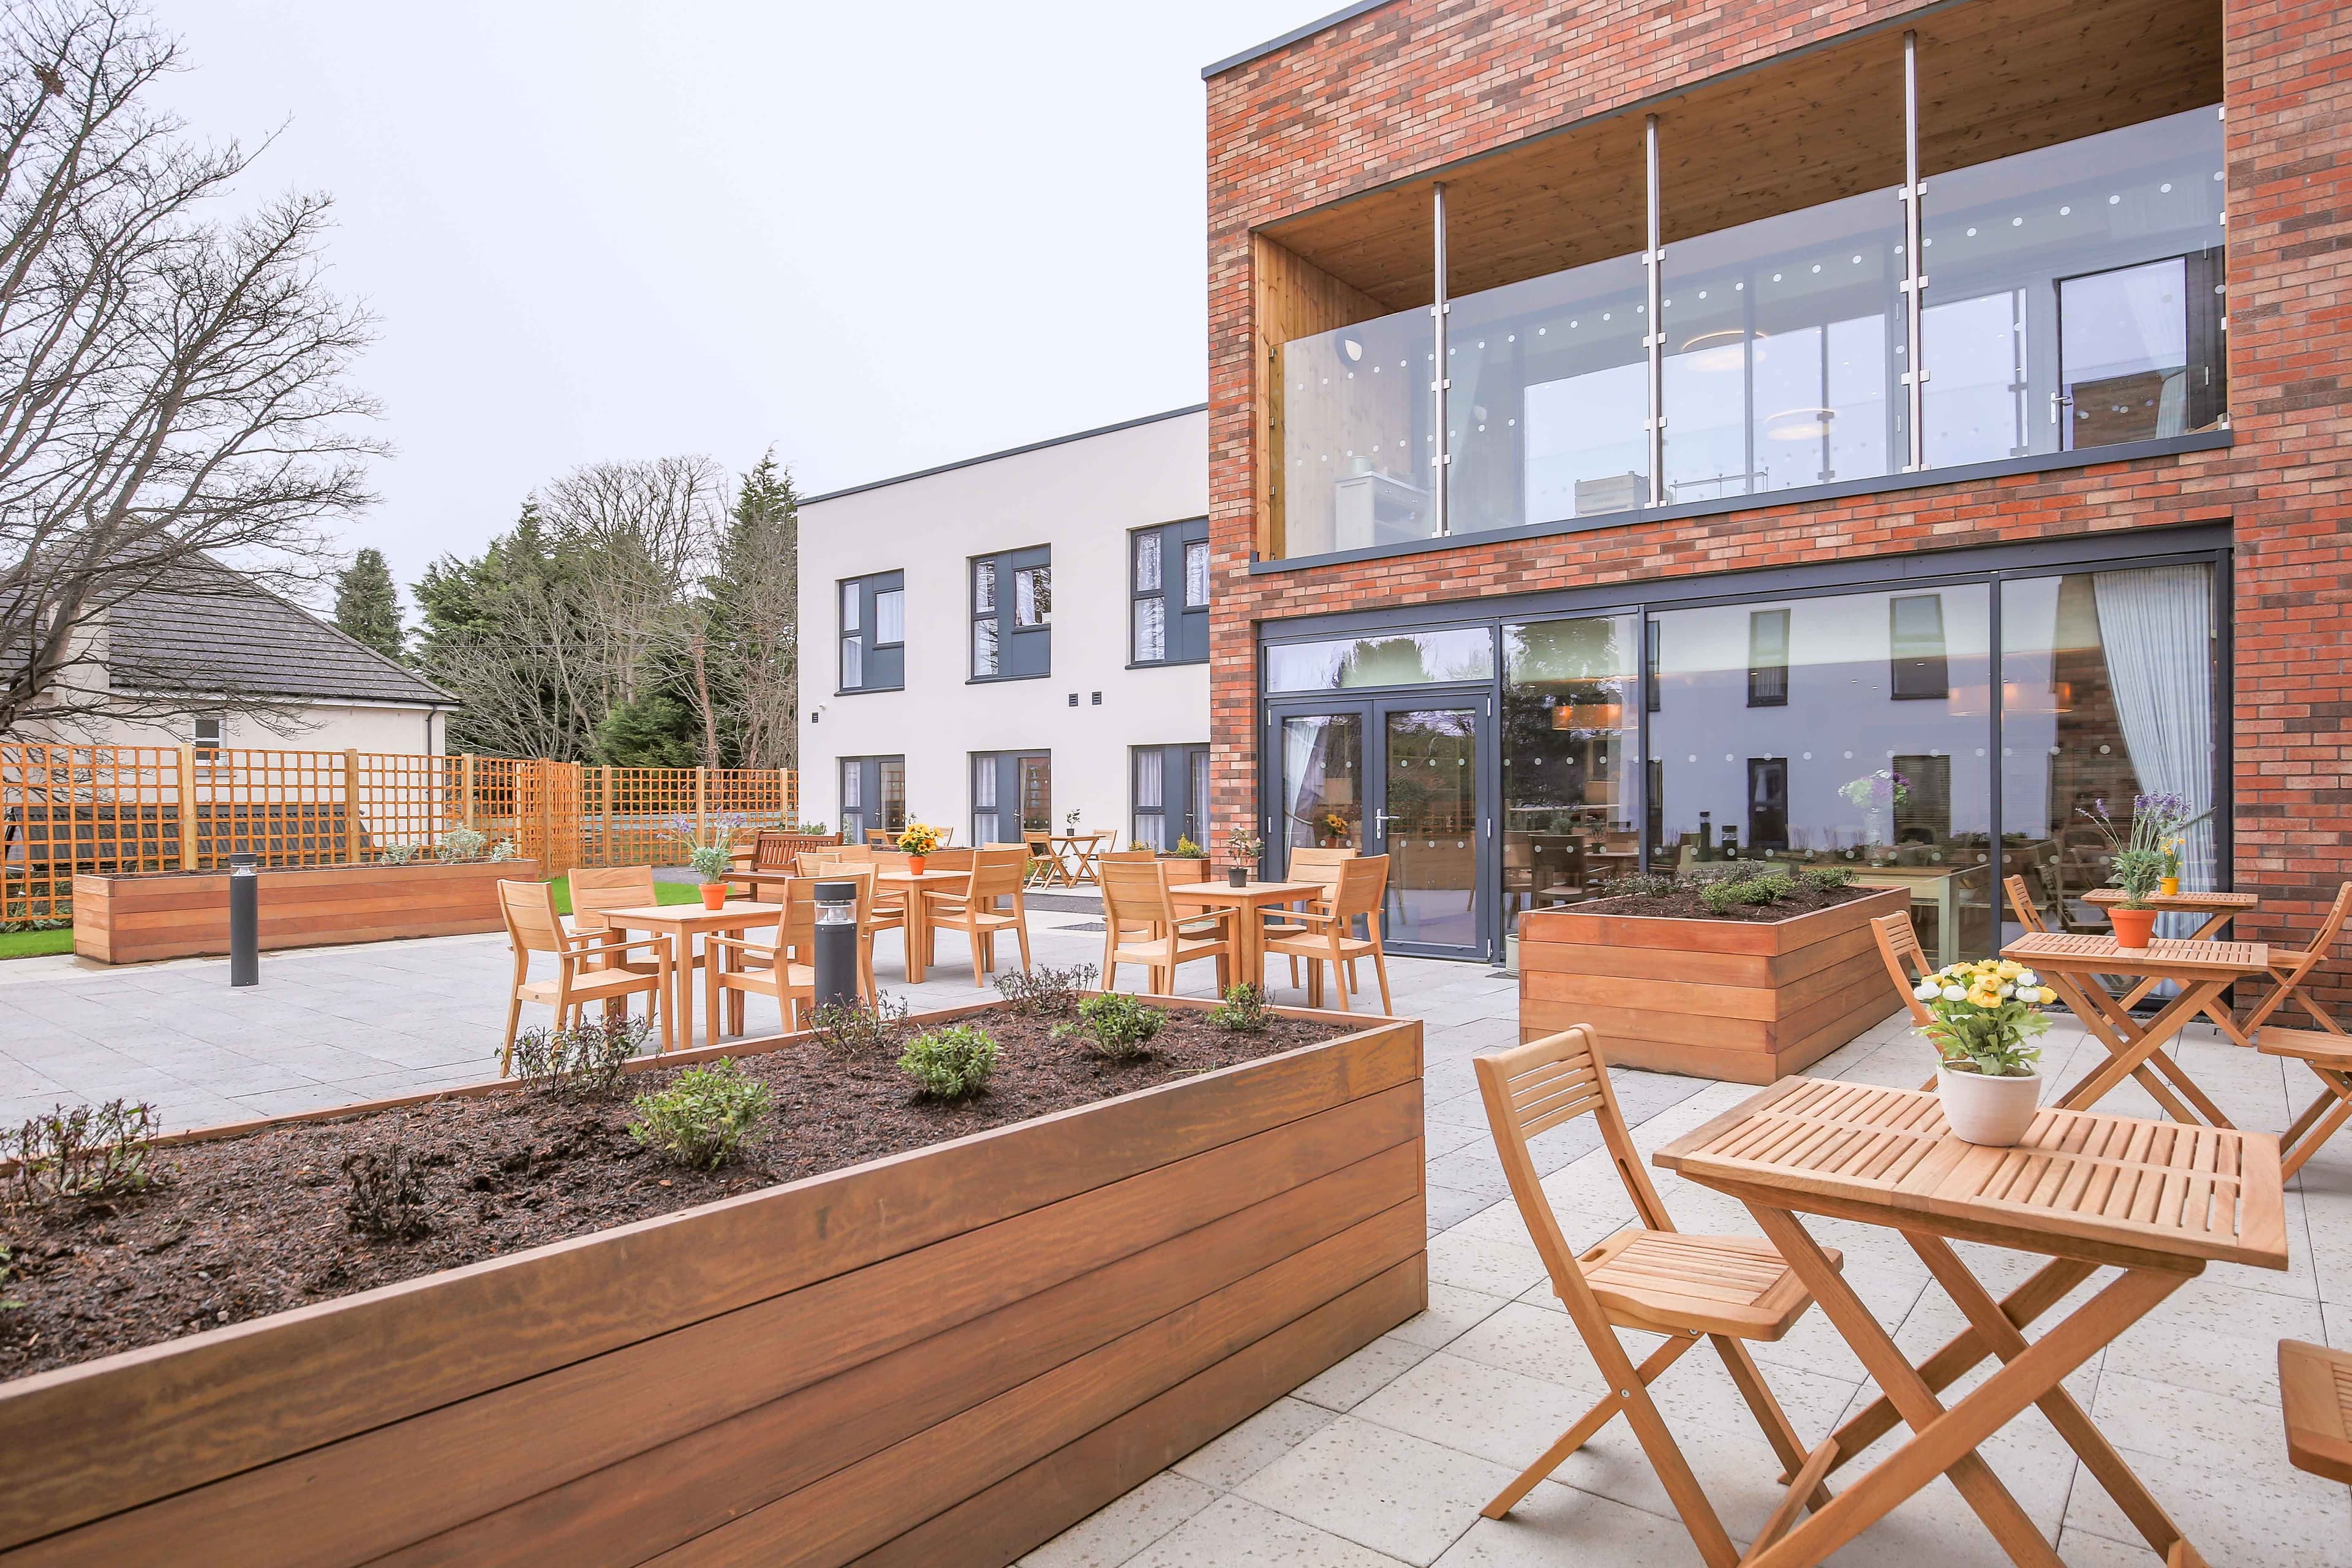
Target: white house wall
323 727
1080 497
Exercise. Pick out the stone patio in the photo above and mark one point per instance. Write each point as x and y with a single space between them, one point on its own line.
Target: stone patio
1386 1457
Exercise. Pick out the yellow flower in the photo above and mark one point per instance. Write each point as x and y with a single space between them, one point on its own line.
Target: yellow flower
2009 969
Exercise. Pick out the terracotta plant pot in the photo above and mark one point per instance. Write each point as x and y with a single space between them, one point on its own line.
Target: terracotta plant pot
2169 887
1994 1112
714 895
2134 928
1238 876
915 865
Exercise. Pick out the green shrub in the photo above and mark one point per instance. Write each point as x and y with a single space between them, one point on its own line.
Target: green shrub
1243 1012
1825 879
82 1151
852 1029
703 1119
585 1062
949 1062
387 1196
1045 991
1114 1025
1640 888
464 844
1726 894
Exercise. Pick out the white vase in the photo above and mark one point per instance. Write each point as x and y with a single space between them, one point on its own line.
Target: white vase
1994 1112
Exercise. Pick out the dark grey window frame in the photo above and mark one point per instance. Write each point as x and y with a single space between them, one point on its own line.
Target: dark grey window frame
882 667
1768 683
1178 820
869 792
1920 676
1023 653
1183 625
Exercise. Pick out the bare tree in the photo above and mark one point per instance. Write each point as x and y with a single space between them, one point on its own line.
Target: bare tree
640 532
171 388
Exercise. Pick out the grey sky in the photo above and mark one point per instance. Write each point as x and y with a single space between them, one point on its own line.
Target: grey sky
877 236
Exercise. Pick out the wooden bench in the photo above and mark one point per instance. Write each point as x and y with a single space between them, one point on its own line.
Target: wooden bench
2316 1390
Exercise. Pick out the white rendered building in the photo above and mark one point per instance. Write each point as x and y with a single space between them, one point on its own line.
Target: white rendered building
1000 642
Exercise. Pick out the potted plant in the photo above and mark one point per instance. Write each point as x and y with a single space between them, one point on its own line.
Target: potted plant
712 858
2169 883
1985 1013
1187 850
1332 828
1242 849
917 839
2141 860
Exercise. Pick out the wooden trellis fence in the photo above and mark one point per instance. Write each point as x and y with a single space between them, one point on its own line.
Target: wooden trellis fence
68 808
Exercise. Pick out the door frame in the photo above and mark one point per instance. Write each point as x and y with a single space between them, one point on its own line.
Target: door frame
1371 708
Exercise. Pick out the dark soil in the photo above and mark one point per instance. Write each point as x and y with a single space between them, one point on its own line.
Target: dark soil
1685 906
251 1226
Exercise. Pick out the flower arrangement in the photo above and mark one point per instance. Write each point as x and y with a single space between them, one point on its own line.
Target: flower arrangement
712 858
1881 791
921 837
1985 1012
2142 858
1332 825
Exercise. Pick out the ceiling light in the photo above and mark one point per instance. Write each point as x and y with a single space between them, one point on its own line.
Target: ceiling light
1352 349
1716 351
1799 424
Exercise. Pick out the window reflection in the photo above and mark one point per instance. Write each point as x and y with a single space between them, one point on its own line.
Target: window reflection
1874 757
1355 446
1569 736
1404 658
1323 783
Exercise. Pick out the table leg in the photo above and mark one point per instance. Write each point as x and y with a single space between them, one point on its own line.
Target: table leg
1250 948
2218 1014
1909 1469
681 982
918 933
2115 1029
2070 1419
2140 1046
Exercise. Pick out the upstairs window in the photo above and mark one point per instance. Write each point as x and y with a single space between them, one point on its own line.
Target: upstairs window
1012 615
208 736
1918 666
1168 588
1768 659
873 632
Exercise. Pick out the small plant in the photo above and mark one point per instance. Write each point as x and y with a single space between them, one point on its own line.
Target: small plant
2141 856
711 857
1243 1012
951 1062
1641 887
1825 879
83 1152
464 844
1046 992
853 1028
387 1198
1985 1013
703 1119
505 849
1187 850
1070 819
1884 790
397 854
920 837
1244 848
7 1272
587 1061
1114 1025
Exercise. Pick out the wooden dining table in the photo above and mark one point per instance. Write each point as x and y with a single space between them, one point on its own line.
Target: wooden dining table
2070 964
1250 899
2083 1189
681 923
2218 909
918 891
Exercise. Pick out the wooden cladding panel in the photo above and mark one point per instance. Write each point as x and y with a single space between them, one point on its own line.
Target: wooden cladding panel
1997 77
991 1302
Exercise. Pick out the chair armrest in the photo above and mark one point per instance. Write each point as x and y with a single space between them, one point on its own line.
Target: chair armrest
593 946
738 944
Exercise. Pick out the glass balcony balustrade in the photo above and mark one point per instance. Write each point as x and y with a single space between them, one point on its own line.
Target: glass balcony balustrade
2072 299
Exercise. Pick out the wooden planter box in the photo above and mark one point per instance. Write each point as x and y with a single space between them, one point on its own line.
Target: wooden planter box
1746 1002
172 914
944 1356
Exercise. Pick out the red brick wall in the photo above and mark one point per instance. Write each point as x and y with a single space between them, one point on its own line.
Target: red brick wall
1421 83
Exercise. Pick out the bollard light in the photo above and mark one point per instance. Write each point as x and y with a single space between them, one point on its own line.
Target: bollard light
837 943
244 920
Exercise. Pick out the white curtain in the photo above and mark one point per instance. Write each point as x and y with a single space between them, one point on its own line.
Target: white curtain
2156 627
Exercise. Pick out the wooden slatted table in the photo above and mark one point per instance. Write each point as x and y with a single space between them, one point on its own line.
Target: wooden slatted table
2070 964
681 923
2085 1189
2220 910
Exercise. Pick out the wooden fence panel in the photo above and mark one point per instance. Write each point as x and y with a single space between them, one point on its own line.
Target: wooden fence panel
111 809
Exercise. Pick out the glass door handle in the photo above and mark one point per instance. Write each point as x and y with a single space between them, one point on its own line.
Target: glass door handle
1381 819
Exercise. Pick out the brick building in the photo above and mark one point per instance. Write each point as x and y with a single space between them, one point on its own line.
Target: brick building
1709 572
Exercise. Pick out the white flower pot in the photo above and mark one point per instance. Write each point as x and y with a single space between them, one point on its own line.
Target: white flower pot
1994 1112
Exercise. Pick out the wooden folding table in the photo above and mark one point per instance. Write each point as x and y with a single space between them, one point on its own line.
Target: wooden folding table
2070 964
2218 909
2156 1199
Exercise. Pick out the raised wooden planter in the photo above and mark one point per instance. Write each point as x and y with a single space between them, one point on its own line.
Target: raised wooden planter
172 914
1747 1002
944 1356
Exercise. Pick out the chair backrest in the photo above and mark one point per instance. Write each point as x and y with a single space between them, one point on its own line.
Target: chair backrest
888 859
1363 880
951 859
779 851
2022 904
1126 857
1134 892
880 838
2324 939
852 854
996 874
529 911
1320 865
809 862
595 888
1906 963
796 927
1528 1091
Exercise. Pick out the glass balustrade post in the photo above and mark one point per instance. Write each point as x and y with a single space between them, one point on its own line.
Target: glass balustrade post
1653 260
1441 381
1915 372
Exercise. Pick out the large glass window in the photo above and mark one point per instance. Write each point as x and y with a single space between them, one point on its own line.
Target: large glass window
1012 615
2108 694
1569 733
1168 584
873 632
1779 362
1399 659
2074 294
1862 764
1354 445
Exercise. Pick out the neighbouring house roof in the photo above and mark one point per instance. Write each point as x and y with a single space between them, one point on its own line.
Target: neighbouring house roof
230 635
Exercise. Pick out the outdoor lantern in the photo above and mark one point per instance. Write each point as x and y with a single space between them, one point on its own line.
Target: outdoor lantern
836 945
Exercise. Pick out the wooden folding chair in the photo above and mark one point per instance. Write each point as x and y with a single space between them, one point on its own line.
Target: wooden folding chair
2291 967
1906 962
2329 1057
533 926
1135 895
1649 1277
2316 1396
1324 936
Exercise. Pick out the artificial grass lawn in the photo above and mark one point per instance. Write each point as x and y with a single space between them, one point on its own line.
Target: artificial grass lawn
664 893
35 943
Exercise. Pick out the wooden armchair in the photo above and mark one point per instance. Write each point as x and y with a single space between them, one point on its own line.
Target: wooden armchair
995 874
533 926
740 968
1135 895
1323 936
